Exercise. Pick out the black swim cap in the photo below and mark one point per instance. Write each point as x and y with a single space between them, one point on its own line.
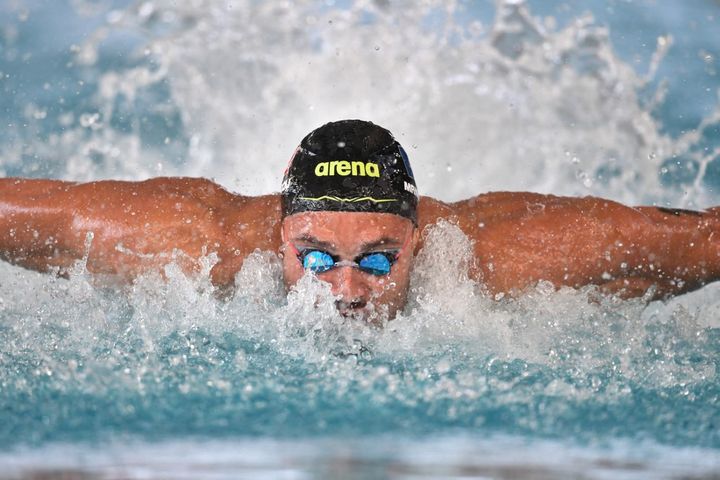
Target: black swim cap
350 166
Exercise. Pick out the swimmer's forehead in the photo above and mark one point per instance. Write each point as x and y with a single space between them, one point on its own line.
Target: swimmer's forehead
311 241
364 220
331 230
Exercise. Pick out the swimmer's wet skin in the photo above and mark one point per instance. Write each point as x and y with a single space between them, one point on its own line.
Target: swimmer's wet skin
349 213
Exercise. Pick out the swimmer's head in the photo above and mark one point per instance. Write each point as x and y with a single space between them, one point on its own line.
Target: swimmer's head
350 166
349 205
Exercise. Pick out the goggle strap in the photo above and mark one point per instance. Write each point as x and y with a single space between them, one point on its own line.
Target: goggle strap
402 249
294 249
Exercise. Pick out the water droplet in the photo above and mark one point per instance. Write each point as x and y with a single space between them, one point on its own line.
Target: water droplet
146 9
114 16
442 366
89 120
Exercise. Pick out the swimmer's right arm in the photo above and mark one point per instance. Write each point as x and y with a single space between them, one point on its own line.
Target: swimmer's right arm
126 228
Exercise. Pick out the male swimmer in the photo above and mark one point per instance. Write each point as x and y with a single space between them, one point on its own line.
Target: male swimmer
349 213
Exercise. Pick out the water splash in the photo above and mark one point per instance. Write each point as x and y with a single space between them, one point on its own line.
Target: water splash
241 84
262 363
165 358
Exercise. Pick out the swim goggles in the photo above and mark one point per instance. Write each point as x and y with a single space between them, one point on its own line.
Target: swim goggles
376 263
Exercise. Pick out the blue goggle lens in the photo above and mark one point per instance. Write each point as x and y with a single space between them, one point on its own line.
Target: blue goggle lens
317 261
375 263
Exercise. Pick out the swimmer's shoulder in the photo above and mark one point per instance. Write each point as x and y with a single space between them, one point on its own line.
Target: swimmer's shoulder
212 195
501 213
242 223
255 219
489 207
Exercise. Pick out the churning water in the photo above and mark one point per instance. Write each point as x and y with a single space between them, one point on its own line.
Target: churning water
160 379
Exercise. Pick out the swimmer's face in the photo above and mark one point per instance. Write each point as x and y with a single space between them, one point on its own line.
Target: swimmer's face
347 236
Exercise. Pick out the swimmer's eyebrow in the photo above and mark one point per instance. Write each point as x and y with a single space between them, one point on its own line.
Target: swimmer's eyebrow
381 242
312 241
365 247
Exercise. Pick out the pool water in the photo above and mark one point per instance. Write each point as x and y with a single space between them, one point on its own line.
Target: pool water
160 379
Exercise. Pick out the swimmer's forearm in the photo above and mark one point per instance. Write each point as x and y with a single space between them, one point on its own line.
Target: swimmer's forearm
121 227
664 251
523 238
33 224
678 249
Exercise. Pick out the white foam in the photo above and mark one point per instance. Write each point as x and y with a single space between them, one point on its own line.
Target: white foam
448 316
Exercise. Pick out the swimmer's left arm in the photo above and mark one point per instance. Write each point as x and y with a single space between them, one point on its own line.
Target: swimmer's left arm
522 238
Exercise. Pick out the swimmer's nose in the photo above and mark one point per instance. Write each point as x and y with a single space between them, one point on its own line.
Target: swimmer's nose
351 287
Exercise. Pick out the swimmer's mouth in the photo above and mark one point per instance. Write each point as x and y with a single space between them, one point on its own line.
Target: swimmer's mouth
356 309
364 312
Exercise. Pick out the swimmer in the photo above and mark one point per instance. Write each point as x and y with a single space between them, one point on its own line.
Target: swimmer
349 213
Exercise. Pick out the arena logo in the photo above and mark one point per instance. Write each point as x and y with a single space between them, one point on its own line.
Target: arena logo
345 168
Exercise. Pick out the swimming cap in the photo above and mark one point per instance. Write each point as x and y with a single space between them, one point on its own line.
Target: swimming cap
350 166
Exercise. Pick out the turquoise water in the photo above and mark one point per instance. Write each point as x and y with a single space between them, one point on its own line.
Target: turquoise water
162 380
